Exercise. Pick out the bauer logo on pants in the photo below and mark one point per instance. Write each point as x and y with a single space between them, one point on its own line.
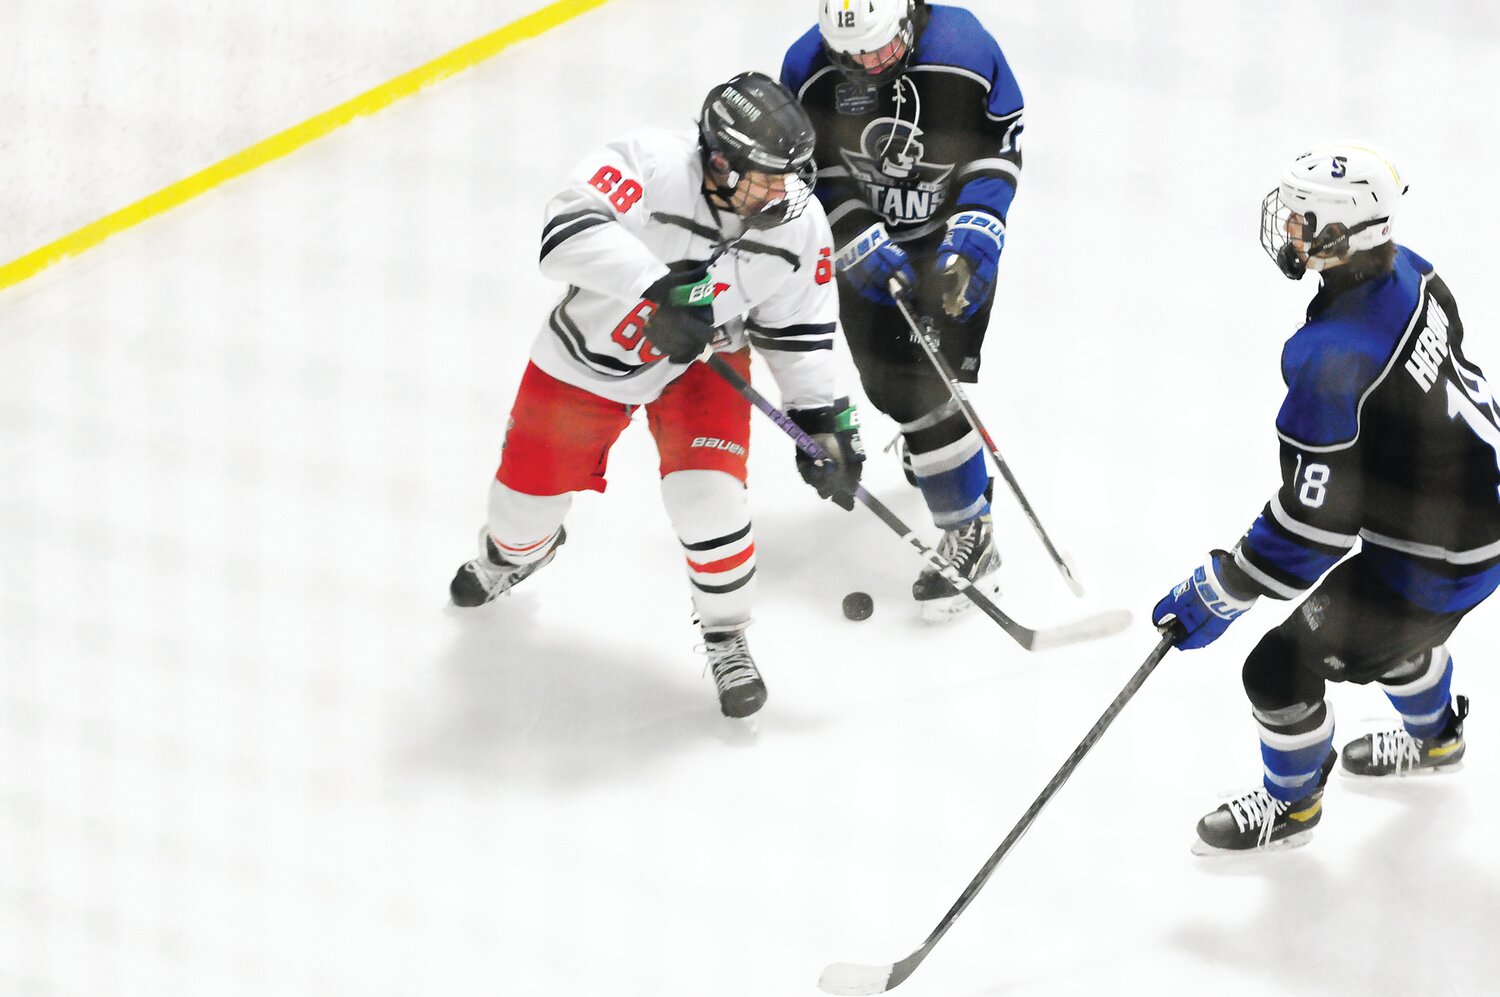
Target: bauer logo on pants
714 443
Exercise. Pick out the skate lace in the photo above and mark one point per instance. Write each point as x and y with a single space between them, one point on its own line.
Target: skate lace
501 576
1396 748
959 547
1257 810
731 663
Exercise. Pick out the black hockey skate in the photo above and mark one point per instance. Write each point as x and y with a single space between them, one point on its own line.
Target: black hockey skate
970 548
741 689
1257 820
1395 752
483 578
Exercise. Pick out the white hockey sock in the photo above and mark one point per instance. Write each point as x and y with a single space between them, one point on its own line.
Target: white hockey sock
524 527
711 515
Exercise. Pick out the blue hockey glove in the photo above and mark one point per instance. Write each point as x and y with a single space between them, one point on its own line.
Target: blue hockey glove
1203 605
870 260
835 428
967 260
683 324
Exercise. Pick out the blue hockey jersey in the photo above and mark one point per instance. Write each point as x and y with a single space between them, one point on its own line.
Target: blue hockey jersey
945 135
1390 437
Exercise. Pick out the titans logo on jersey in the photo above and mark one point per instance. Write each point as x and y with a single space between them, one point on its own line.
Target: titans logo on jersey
899 182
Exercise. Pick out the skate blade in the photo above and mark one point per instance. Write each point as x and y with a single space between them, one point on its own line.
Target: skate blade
1429 770
738 732
950 608
1203 849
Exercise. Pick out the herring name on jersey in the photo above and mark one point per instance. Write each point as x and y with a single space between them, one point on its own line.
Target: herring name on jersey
635 207
945 135
1389 435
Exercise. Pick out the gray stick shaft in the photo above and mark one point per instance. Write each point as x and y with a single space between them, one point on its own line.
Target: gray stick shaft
904 968
930 347
1022 635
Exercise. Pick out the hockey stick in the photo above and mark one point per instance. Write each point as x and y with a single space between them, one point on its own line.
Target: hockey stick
854 978
1088 628
930 347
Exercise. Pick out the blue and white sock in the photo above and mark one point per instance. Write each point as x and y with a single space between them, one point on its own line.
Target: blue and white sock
1423 702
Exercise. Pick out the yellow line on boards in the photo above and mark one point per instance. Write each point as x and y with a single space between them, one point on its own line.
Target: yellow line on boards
293 138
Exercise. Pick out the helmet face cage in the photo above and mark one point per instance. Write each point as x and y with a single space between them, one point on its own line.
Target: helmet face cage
1331 241
850 50
780 196
763 198
1274 238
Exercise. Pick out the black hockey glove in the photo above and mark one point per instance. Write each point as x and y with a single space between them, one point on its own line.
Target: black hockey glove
835 428
683 324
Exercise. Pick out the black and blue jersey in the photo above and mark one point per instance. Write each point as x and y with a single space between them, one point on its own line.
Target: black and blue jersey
945 136
1389 436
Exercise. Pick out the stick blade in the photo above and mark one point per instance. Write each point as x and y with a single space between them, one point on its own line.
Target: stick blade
854 980
1089 628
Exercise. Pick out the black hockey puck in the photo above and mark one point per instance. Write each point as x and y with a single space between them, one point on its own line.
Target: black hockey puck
858 606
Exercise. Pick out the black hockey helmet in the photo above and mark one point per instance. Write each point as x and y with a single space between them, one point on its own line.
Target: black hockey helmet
753 124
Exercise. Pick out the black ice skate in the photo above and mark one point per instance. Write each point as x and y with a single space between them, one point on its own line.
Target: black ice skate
483 578
1395 752
1257 820
741 690
970 548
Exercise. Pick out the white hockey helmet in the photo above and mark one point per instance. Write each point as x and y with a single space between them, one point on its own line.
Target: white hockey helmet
854 28
1344 195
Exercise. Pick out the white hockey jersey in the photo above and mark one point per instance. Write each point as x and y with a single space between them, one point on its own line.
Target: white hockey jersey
636 205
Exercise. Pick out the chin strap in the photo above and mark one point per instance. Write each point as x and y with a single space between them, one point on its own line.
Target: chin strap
1330 246
1336 242
712 190
714 194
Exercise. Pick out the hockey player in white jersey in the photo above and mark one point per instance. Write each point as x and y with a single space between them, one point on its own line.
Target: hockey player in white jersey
674 244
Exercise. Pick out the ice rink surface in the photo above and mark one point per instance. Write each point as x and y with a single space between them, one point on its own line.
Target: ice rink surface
246 749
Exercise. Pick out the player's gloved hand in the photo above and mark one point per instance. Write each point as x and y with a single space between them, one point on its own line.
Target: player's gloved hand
870 260
682 326
967 260
835 428
1203 606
